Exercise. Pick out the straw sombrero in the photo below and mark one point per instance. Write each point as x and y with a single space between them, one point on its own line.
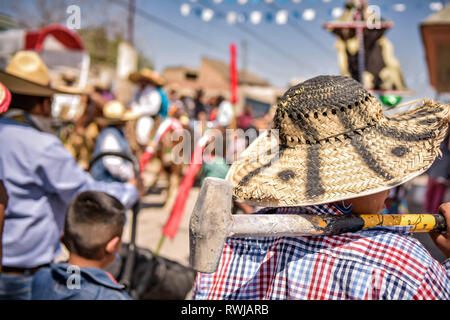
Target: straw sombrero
114 111
5 98
27 74
330 141
147 74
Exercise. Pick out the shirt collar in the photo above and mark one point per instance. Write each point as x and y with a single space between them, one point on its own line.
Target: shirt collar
321 209
99 276
40 123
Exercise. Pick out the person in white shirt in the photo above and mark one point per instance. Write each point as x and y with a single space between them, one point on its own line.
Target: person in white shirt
112 139
225 113
146 102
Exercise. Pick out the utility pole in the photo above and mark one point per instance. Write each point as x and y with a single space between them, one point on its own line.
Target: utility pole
127 58
131 13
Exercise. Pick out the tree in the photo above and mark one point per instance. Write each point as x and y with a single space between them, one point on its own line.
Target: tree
104 49
102 25
101 49
40 13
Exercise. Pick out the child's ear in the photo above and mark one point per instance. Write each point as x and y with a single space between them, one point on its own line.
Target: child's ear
112 245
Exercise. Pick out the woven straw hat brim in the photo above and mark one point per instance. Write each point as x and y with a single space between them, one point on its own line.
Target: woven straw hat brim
22 86
73 90
19 85
371 159
127 116
138 76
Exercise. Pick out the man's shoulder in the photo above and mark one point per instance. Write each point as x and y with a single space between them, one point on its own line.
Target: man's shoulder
42 275
393 243
109 132
112 294
20 132
43 284
104 284
65 281
393 253
50 273
387 251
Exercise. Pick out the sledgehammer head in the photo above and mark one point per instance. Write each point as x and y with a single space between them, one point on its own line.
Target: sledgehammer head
209 224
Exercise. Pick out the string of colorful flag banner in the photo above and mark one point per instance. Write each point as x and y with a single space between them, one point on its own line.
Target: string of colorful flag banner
281 16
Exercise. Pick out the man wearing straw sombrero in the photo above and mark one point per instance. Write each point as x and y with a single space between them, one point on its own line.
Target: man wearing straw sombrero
332 151
149 101
41 176
112 138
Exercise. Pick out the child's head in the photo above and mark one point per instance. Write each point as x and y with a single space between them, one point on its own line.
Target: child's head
94 225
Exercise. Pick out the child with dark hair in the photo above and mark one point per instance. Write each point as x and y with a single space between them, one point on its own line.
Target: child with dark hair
92 234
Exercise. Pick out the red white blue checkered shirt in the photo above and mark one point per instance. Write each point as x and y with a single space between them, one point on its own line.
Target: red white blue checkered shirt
376 263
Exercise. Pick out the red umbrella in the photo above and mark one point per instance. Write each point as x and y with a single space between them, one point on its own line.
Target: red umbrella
5 98
34 39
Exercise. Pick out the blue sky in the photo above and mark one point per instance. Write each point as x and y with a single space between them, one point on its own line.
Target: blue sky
286 52
311 58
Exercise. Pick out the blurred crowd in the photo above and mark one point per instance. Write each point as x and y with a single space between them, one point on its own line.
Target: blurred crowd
56 164
139 119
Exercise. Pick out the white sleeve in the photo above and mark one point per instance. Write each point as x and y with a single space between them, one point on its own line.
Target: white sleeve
117 167
149 103
144 126
155 100
225 113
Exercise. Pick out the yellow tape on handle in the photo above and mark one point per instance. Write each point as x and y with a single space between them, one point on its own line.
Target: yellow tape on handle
418 222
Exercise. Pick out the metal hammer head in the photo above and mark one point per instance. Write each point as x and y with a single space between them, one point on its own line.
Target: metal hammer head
209 224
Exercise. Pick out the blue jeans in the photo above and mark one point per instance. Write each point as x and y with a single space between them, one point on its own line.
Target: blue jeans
15 287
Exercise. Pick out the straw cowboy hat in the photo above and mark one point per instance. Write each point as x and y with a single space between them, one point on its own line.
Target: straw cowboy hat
147 74
332 142
115 111
27 74
5 98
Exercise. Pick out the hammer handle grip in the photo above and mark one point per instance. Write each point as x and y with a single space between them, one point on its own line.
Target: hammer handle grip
418 222
266 225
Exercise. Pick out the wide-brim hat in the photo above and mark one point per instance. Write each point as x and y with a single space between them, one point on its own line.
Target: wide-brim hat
27 74
114 112
147 74
5 98
330 141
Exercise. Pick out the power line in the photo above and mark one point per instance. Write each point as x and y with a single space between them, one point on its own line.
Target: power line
178 30
305 33
169 26
272 46
260 64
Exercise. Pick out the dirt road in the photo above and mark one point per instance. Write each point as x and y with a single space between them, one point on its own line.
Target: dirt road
152 219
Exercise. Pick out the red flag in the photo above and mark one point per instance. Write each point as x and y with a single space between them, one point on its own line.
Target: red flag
233 74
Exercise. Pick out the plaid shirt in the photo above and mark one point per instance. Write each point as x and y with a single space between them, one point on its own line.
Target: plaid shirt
376 263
